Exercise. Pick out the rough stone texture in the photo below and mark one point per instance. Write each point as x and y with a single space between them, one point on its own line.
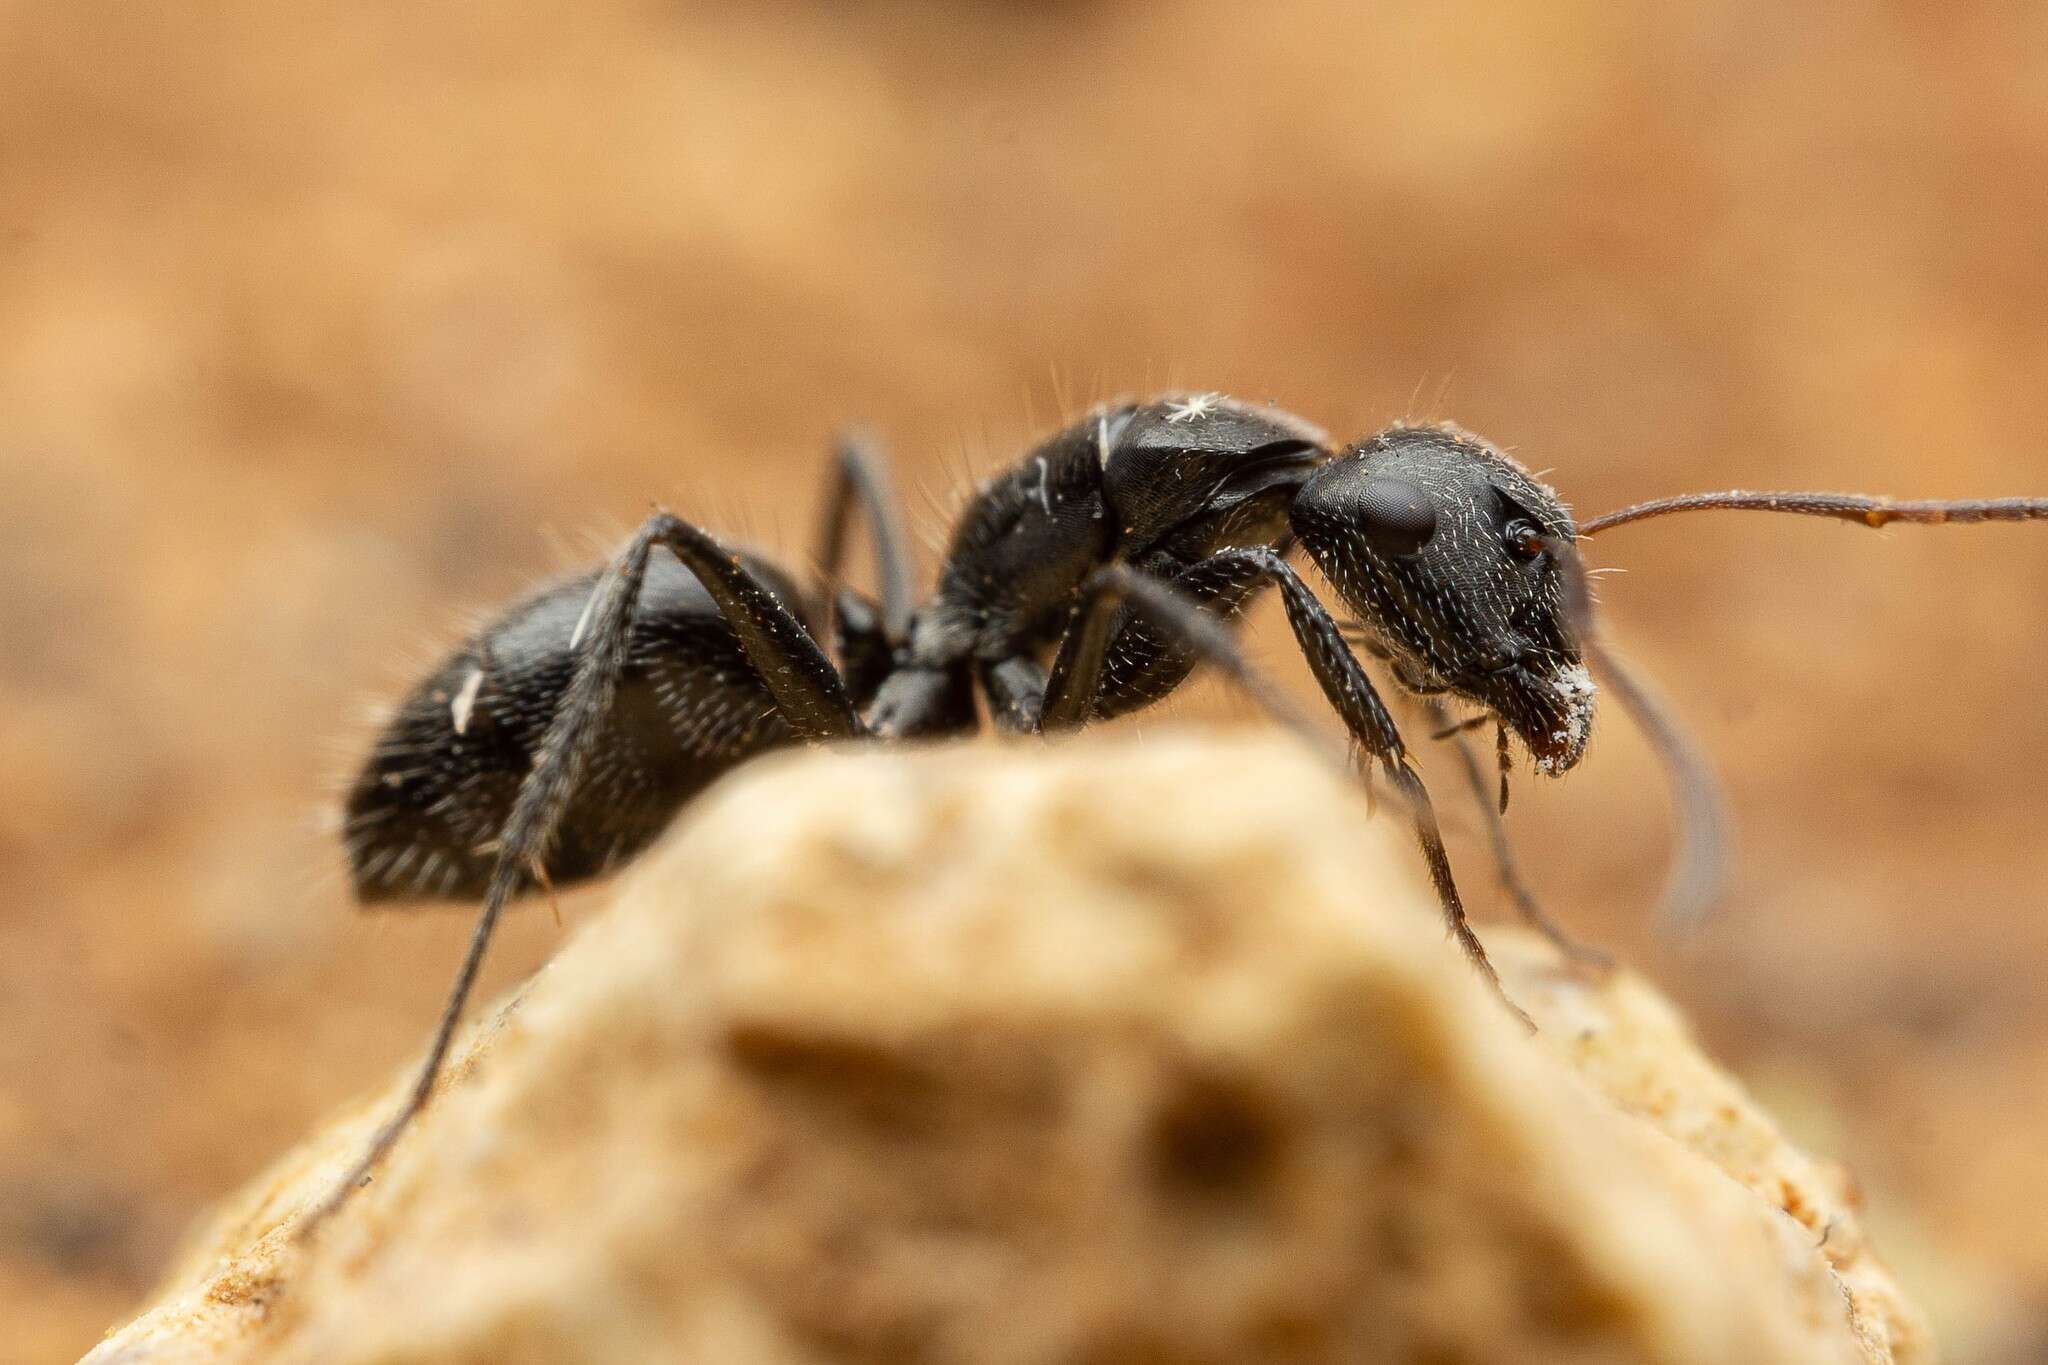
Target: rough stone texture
1112 1052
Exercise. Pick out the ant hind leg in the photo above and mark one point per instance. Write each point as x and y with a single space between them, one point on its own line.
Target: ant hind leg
806 688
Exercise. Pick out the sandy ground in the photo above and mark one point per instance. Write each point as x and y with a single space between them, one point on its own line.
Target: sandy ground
322 324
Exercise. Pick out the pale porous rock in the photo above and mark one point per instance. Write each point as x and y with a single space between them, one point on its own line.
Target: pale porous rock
1104 1052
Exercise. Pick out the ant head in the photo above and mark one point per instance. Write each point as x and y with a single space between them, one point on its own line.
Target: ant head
1442 545
1190 475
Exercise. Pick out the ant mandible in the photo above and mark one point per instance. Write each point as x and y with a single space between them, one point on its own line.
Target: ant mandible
1084 582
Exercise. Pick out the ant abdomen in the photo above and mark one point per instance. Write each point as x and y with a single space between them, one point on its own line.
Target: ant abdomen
423 817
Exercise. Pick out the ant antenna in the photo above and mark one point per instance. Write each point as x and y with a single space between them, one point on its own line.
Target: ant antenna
1855 507
1699 866
1699 869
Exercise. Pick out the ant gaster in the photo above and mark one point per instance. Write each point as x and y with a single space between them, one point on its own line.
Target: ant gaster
1082 583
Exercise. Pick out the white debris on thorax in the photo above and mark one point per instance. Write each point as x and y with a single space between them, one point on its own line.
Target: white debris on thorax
1196 405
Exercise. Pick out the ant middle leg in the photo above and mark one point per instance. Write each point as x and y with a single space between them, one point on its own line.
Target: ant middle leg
863 634
1120 655
1506 866
1451 729
1136 637
860 482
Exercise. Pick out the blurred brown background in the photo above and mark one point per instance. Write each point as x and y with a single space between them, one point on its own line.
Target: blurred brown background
324 322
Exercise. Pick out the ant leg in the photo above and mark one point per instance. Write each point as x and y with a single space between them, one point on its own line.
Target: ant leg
1079 669
796 672
1350 693
1111 659
1506 866
1115 658
1069 691
1015 690
860 478
808 690
1358 636
1505 761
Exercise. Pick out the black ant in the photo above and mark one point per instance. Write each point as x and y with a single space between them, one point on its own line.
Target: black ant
1082 583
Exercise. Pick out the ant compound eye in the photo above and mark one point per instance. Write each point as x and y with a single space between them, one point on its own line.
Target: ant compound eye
1397 517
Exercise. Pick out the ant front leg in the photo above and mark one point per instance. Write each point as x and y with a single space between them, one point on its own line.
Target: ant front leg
806 689
1349 691
1351 694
